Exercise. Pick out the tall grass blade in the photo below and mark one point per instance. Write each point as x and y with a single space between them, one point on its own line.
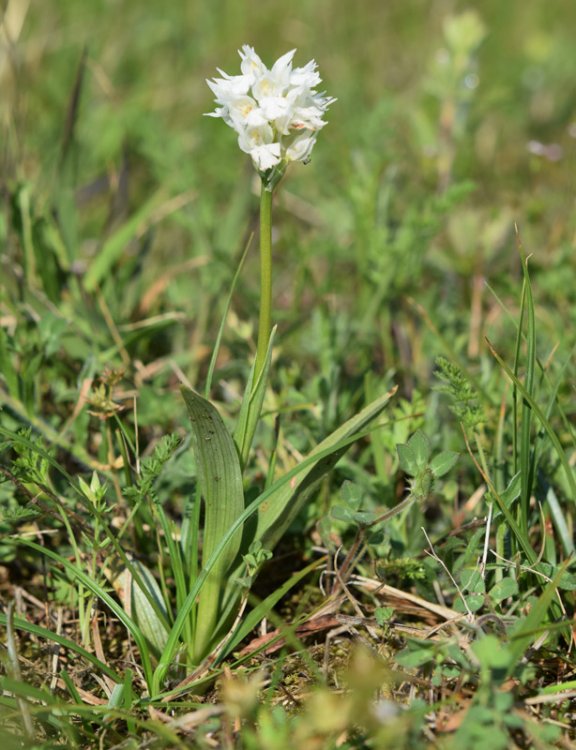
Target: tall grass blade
528 630
541 416
216 350
263 608
526 454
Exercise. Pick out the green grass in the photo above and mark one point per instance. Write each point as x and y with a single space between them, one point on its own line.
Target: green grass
365 539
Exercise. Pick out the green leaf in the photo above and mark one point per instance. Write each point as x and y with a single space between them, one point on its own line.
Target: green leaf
443 462
341 513
415 654
252 406
421 445
263 608
474 602
351 495
471 580
407 459
285 501
504 589
333 448
383 615
512 491
530 628
104 596
544 421
220 480
414 455
143 612
50 636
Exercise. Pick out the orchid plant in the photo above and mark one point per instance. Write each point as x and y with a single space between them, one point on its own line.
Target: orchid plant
186 625
277 114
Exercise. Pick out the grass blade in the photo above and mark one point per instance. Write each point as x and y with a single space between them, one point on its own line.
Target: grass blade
215 351
49 635
104 597
263 608
542 419
114 245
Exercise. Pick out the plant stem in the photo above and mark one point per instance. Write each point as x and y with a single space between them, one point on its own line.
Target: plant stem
265 321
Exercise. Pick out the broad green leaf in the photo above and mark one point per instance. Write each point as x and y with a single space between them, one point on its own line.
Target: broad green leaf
351 495
415 654
285 501
341 513
472 581
414 454
407 459
491 652
220 480
474 602
420 445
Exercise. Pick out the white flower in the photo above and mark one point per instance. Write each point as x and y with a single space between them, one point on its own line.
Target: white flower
258 142
276 112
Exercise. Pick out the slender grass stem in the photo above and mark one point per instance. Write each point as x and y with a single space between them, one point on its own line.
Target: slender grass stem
265 320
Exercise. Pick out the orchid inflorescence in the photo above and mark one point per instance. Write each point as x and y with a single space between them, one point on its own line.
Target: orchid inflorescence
277 113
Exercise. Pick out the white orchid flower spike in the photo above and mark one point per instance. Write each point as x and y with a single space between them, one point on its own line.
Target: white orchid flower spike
276 112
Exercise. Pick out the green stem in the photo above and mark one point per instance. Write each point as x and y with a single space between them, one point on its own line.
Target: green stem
265 322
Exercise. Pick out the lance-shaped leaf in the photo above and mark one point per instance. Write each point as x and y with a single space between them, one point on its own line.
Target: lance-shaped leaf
280 509
252 406
153 627
220 479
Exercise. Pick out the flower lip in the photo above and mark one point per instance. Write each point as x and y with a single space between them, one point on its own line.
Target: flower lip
276 112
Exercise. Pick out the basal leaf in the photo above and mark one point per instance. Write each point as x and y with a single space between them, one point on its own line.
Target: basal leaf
220 479
144 614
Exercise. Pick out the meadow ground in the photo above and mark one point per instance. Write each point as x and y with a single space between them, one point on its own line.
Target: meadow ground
367 539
